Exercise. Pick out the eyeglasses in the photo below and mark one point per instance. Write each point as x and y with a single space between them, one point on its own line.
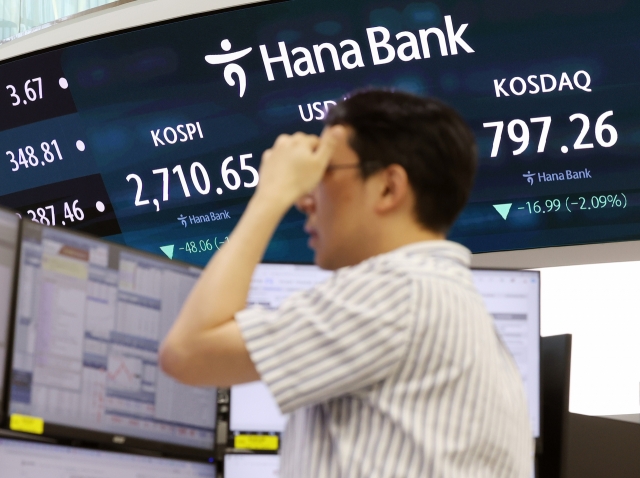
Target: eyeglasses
331 167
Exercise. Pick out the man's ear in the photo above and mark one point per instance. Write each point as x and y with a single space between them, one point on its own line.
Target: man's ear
394 189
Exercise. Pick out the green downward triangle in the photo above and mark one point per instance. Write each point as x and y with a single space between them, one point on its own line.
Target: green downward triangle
503 209
168 250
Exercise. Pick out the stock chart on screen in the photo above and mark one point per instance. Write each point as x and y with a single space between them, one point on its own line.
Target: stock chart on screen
90 317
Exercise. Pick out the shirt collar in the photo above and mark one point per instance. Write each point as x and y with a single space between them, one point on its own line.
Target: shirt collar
438 248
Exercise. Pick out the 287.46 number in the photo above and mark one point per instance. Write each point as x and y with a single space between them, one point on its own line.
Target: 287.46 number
72 213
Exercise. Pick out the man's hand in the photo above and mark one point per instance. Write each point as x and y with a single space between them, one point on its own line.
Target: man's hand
295 164
205 346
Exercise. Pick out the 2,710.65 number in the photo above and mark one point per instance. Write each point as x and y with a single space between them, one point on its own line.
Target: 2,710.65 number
199 179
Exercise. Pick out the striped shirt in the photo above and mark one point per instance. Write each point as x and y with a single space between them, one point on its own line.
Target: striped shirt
393 369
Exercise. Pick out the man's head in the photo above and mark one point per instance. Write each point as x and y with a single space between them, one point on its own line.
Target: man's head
403 170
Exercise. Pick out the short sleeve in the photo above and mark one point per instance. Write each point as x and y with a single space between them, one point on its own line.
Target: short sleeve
346 334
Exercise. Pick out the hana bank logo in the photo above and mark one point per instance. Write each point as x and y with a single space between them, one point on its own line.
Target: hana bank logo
231 68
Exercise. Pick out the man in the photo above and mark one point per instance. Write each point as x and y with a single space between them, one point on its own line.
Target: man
392 368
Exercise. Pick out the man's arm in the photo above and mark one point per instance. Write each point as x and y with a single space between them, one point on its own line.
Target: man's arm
204 346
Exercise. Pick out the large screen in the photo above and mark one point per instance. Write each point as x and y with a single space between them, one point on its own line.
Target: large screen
90 317
9 226
153 137
511 297
36 460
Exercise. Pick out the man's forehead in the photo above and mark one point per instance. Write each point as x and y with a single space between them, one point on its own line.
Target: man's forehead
344 149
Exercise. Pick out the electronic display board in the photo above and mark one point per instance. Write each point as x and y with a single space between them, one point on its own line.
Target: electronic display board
89 319
153 137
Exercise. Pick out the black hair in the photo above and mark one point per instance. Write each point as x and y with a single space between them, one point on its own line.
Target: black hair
429 139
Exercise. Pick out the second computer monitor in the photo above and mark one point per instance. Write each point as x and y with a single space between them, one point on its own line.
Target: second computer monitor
90 318
511 297
251 466
9 227
26 460
253 408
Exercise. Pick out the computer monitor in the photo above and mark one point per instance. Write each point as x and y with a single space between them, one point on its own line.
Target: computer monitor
512 297
252 407
272 283
251 466
556 378
9 226
28 459
90 316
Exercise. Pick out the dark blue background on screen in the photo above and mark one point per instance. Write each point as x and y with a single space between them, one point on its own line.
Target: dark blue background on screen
125 86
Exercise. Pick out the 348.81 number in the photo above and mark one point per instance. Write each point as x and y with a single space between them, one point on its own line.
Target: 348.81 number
27 156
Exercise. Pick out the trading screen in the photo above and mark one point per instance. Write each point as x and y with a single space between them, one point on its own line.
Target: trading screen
511 297
89 321
9 226
253 408
251 466
36 460
153 137
273 283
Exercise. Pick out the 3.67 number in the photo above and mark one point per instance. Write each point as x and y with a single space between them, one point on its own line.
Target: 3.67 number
30 93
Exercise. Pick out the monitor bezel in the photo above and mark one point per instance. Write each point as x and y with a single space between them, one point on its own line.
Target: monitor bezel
120 441
129 29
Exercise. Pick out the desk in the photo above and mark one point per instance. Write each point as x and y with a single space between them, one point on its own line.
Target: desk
633 418
601 447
